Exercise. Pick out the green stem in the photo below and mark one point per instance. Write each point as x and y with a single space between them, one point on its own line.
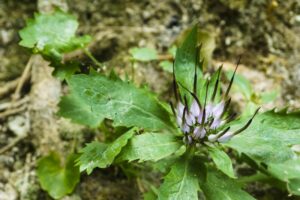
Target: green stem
90 55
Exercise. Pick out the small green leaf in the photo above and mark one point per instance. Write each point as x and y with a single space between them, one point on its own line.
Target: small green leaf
269 132
143 54
66 70
56 178
52 35
96 97
181 182
90 156
222 161
218 186
166 66
150 147
101 155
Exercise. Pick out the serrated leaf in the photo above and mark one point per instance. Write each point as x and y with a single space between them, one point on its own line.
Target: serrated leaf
56 178
218 186
269 137
114 99
150 147
101 155
52 35
181 182
143 54
222 161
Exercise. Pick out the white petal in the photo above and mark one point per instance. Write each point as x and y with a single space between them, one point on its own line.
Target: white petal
180 108
226 137
213 137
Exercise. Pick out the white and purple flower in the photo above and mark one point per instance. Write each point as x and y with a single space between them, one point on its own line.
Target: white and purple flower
200 123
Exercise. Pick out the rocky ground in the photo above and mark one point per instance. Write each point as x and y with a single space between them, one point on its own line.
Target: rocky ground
265 32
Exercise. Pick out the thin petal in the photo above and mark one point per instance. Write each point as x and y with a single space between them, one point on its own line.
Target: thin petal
218 109
195 109
226 137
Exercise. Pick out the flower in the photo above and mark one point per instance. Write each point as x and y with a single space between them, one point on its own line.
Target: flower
200 123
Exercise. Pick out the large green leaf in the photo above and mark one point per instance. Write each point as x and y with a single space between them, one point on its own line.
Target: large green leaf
288 172
101 97
181 182
222 161
150 147
52 34
56 178
218 186
101 155
269 137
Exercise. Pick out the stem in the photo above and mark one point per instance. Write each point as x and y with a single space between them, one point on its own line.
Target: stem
90 55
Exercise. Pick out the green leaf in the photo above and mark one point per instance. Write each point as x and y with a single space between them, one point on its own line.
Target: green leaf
143 54
185 60
101 155
56 178
150 147
52 35
76 109
166 66
218 186
288 172
269 137
181 182
101 97
222 161
66 70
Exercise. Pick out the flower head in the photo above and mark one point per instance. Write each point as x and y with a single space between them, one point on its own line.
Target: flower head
203 122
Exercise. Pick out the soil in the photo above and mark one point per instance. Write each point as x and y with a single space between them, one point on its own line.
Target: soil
265 32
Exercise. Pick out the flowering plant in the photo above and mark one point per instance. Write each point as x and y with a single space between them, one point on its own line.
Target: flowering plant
192 143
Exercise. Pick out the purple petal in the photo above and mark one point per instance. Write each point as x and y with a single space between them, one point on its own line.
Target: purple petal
218 109
195 109
190 119
209 110
185 128
199 132
216 123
